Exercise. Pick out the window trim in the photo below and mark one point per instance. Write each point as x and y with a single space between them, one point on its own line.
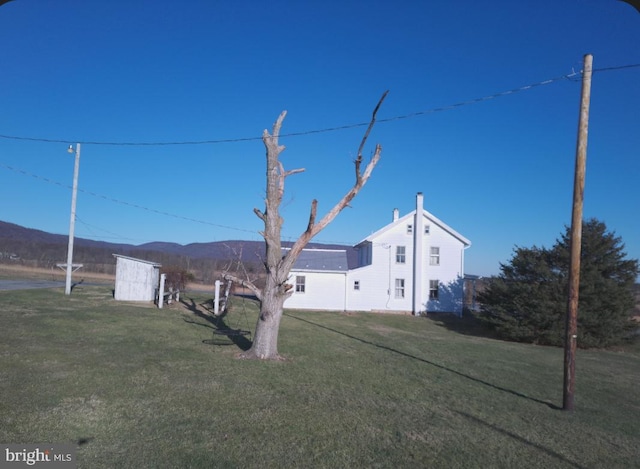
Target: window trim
301 284
434 257
401 254
434 289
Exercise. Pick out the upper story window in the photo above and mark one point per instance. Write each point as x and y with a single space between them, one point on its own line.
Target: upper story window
401 254
427 229
434 256
356 285
409 228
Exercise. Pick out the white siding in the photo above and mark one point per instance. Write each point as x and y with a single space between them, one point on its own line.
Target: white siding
377 281
323 291
136 280
447 273
378 271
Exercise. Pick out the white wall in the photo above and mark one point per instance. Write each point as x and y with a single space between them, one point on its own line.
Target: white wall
323 291
135 281
377 281
447 273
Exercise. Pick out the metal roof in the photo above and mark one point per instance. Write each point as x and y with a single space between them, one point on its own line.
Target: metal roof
333 260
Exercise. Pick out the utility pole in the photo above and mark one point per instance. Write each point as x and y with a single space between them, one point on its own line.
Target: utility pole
72 222
571 327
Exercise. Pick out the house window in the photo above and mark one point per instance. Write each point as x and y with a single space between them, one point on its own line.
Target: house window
399 288
434 256
427 228
409 229
356 285
400 254
433 289
300 283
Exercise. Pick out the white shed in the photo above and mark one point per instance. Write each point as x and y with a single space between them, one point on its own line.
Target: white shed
136 279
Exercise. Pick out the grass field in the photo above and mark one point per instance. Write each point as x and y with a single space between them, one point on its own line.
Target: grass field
134 386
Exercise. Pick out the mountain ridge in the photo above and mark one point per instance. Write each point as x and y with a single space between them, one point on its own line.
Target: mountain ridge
244 250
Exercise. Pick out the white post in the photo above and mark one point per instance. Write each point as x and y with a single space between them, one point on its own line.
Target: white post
163 278
72 222
418 246
216 298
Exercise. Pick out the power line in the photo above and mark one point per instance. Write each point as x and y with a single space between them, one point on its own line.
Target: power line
95 235
331 129
121 202
152 210
327 129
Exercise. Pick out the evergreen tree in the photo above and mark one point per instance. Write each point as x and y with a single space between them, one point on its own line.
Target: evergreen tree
524 303
607 277
528 301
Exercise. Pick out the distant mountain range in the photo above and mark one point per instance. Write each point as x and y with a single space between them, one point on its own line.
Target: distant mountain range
18 238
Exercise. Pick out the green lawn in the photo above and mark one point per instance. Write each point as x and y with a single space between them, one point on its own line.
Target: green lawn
134 386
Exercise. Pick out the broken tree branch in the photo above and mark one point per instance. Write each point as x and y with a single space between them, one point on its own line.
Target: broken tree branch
259 213
361 179
245 283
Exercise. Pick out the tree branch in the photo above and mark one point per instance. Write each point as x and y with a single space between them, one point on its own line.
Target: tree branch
259 213
358 161
293 171
270 140
312 215
371 124
245 283
361 179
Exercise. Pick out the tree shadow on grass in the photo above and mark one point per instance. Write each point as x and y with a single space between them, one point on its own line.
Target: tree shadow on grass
437 365
223 334
518 438
469 324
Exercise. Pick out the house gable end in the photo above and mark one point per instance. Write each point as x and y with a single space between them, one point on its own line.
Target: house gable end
408 219
435 220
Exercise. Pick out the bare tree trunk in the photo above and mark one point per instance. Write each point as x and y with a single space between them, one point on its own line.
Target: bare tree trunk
277 290
265 342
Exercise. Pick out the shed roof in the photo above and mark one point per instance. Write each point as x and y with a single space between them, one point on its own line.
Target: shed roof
154 264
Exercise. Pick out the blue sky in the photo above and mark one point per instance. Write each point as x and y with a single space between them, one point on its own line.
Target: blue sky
499 171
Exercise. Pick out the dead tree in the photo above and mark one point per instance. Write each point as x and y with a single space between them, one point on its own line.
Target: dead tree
277 289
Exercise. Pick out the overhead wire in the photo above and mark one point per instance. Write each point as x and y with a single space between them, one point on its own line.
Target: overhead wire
292 134
122 202
322 130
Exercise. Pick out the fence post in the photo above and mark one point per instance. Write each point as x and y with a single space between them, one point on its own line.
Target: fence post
216 298
163 278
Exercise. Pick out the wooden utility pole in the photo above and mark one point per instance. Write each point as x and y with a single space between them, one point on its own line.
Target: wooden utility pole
571 329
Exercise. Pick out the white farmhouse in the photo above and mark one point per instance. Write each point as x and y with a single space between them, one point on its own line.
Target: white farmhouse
414 265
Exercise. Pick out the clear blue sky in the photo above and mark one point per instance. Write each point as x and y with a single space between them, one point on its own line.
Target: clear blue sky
498 171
